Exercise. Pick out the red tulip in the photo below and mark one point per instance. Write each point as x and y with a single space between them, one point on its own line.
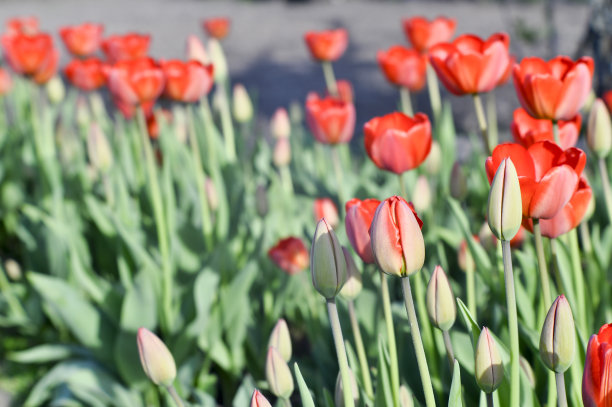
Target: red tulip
471 65
6 82
424 34
397 142
508 72
607 97
22 25
217 27
548 175
152 123
345 91
403 67
82 40
135 82
358 220
187 81
290 255
129 46
31 55
331 120
89 74
597 377
554 90
327 45
526 130
325 208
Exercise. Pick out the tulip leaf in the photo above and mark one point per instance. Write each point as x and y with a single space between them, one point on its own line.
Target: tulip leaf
245 392
454 398
469 322
94 207
46 353
305 395
383 381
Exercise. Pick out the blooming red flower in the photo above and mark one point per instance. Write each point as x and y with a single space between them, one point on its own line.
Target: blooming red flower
22 25
5 82
88 74
358 220
397 142
325 208
526 130
186 81
548 175
217 27
508 72
128 46
82 40
470 64
403 67
290 255
597 377
424 34
331 120
31 55
554 90
327 45
135 82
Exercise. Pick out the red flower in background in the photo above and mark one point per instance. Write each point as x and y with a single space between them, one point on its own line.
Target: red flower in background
82 40
554 90
152 122
217 27
508 72
124 47
290 255
327 45
186 81
345 91
5 82
403 67
548 175
330 120
88 74
597 379
526 130
31 55
607 97
470 64
325 208
397 142
22 25
358 220
424 34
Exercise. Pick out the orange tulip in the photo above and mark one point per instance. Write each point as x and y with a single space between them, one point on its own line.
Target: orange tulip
88 74
128 46
597 377
135 82
22 25
526 130
290 255
31 55
82 40
217 27
424 34
554 90
330 120
187 81
403 67
327 45
358 220
326 208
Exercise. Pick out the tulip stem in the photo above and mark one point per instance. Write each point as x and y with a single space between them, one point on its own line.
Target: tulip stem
512 325
402 183
209 128
330 78
340 352
286 181
470 283
430 400
394 364
434 92
492 119
585 237
482 122
544 281
489 399
578 280
449 349
562 398
605 181
556 132
286 402
339 178
175 397
361 354
405 101
226 123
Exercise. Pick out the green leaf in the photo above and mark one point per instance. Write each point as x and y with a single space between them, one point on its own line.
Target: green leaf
46 353
383 396
454 398
305 395
244 393
469 322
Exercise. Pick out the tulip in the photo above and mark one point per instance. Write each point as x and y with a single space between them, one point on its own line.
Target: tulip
397 241
278 374
31 55
526 130
558 337
56 91
327 263
596 380
421 197
464 256
470 65
458 182
440 300
345 91
88 74
505 206
217 27
22 25
282 153
133 82
424 34
280 126
13 269
290 255
258 400
82 40
434 159
339 393
155 358
353 284
359 215
217 58
397 142
599 131
328 45
554 90
6 83
280 340
507 72
124 47
405 398
186 81
403 67
242 106
330 120
488 367
607 97
325 208
196 50
98 149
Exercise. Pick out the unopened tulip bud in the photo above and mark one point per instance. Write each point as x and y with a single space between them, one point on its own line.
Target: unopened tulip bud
196 50
258 400
97 105
156 359
98 149
280 126
55 90
505 210
13 269
599 130
242 105
434 158
326 208
278 374
558 338
588 104
217 57
590 209
458 182
327 264
488 367
464 256
486 237
405 398
528 370
282 153
353 284
261 200
440 300
421 198
280 339
296 112
82 112
339 394
211 194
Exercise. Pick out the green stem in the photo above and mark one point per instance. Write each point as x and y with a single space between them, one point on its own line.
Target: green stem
339 178
286 180
226 124
605 182
402 183
482 123
330 78
286 402
434 92
209 131
175 396
340 352
394 366
492 118
449 349
543 268
361 354
585 237
490 400
578 281
556 132
418 344
13 302
562 398
470 283
512 326
405 101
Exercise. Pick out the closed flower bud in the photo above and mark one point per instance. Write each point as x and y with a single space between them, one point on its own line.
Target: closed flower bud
421 198
278 374
326 208
242 105
211 194
505 208
464 256
282 152
599 131
327 264
98 149
458 182
486 237
558 338
434 159
405 398
196 51
440 300
156 359
488 367
258 400
280 126
339 394
217 57
353 284
179 122
55 90
280 339
13 269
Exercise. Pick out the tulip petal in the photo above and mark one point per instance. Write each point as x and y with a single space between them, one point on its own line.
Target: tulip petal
573 94
554 190
570 216
385 237
411 238
494 64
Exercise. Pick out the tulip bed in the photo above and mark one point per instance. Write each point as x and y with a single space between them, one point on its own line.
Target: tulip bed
155 239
